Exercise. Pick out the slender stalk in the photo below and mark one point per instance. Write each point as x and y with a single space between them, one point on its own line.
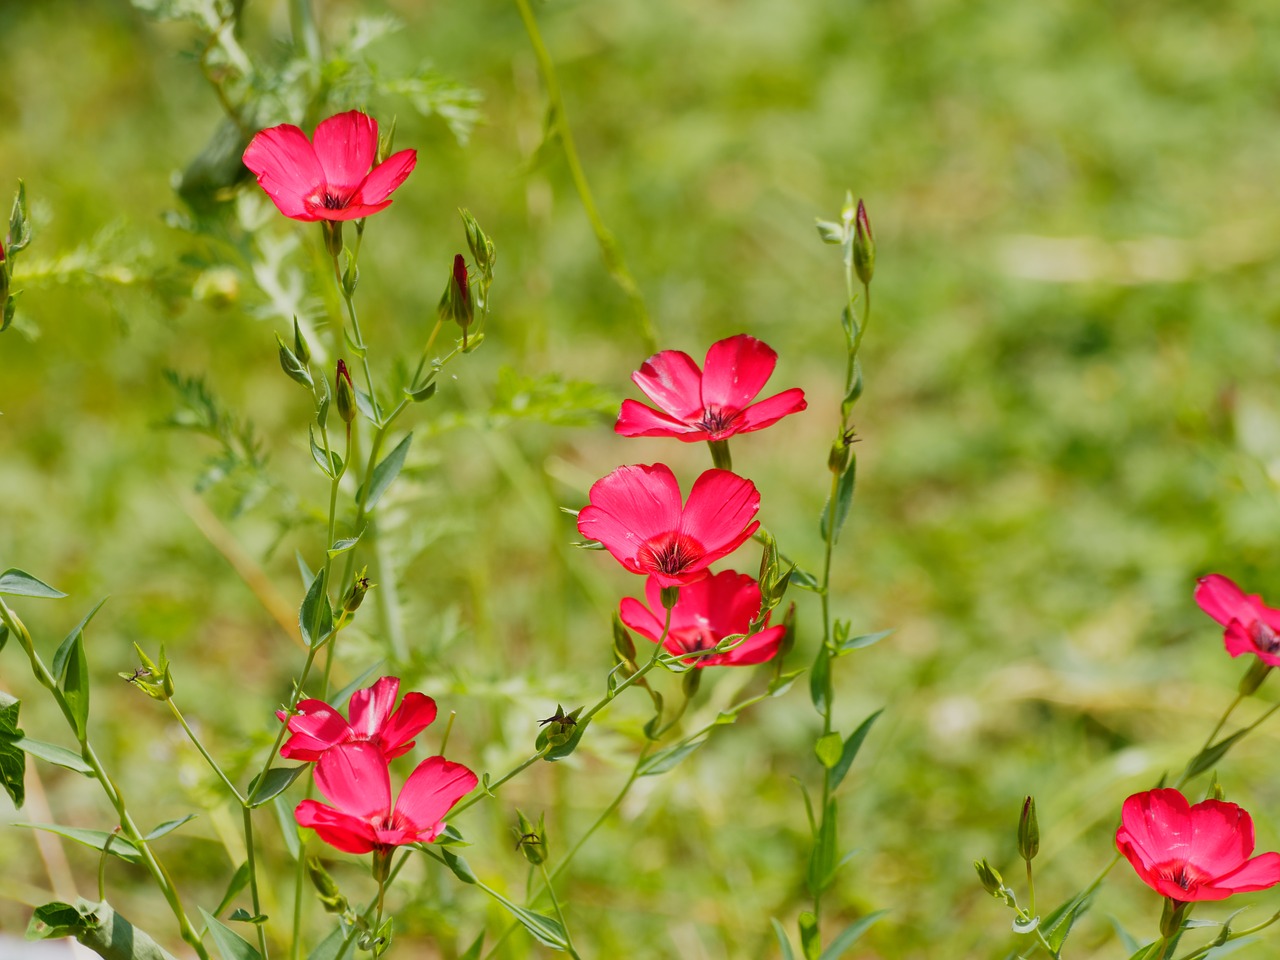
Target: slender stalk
555 902
609 250
361 347
247 813
213 764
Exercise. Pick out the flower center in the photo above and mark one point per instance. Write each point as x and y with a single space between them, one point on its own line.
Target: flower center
694 639
716 421
1185 875
670 553
1263 637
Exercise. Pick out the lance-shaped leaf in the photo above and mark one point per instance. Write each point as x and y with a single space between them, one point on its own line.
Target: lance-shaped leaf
386 472
850 935
55 754
12 761
315 618
850 749
98 927
19 583
229 943
118 847
843 498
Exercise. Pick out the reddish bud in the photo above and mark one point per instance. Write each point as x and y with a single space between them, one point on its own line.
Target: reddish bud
864 245
345 393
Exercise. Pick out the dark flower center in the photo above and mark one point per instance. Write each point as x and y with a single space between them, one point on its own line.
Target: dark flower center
1184 874
714 420
333 201
1263 637
694 639
670 553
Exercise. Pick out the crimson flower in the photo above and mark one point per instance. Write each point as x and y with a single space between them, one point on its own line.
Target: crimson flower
355 779
318 728
1190 853
1252 626
709 404
635 512
329 179
705 613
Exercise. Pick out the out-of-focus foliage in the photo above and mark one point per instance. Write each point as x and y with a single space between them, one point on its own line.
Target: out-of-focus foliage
1071 412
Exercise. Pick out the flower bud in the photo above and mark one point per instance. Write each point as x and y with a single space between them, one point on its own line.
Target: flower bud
690 682
864 245
1028 831
301 349
1252 680
560 726
19 225
789 638
992 882
455 303
386 143
482 251
670 595
293 366
345 393
531 840
624 648
355 594
330 895
332 236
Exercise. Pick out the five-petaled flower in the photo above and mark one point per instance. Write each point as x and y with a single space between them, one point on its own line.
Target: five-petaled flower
706 612
713 403
1251 626
355 779
635 512
317 727
1190 853
329 179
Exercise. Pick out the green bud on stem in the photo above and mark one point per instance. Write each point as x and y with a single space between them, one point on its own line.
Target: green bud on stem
1028 831
531 840
332 236
345 393
864 245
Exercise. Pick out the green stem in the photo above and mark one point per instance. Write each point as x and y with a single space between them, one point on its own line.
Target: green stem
127 826
253 880
609 250
213 764
359 337
720 456
555 902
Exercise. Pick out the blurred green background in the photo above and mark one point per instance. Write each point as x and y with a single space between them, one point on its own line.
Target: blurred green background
1071 412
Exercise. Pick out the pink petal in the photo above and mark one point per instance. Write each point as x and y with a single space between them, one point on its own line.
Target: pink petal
673 381
757 648
345 145
637 420
732 602
1257 874
385 178
286 166
1158 824
1255 637
1221 599
770 411
416 713
355 779
720 505
336 828
315 728
431 791
735 371
370 707
1222 837
629 506
640 618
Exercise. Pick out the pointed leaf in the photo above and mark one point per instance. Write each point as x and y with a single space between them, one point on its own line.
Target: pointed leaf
664 760
239 880
168 827
783 940
851 747
329 947
55 754
329 463
288 828
827 749
53 921
13 763
822 859
276 782
64 648
474 951
844 497
343 695
866 640
315 618
342 546
386 472
850 935
1057 924
75 685
819 681
1210 755
19 583
120 847
229 943
461 869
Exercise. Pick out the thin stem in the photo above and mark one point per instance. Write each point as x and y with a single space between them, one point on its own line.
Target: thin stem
720 456
1031 891
299 877
555 902
253 880
359 337
213 764
609 250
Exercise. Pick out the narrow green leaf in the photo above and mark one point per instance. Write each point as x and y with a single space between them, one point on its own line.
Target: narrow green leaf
866 640
97 926
819 680
827 749
386 472
315 618
340 698
844 497
288 828
850 935
544 929
342 546
1147 952
64 648
822 859
239 880
851 748
1127 940
168 827
4 635
75 685
329 463
474 951
664 760
303 569
277 782
120 847
329 947
1209 756
805 580
1057 924
783 940
52 753
241 915
13 763
810 935
229 943
19 583
461 869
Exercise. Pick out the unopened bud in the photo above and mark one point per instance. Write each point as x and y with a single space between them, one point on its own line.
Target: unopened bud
332 236
838 456
301 349
560 726
670 595
293 366
455 303
1028 831
864 245
481 246
531 840
355 594
992 882
19 224
386 143
1252 679
330 895
345 393
624 648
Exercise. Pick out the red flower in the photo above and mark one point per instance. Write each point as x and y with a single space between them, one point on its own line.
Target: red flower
1252 626
636 513
709 404
1192 853
317 727
330 179
355 778
705 613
